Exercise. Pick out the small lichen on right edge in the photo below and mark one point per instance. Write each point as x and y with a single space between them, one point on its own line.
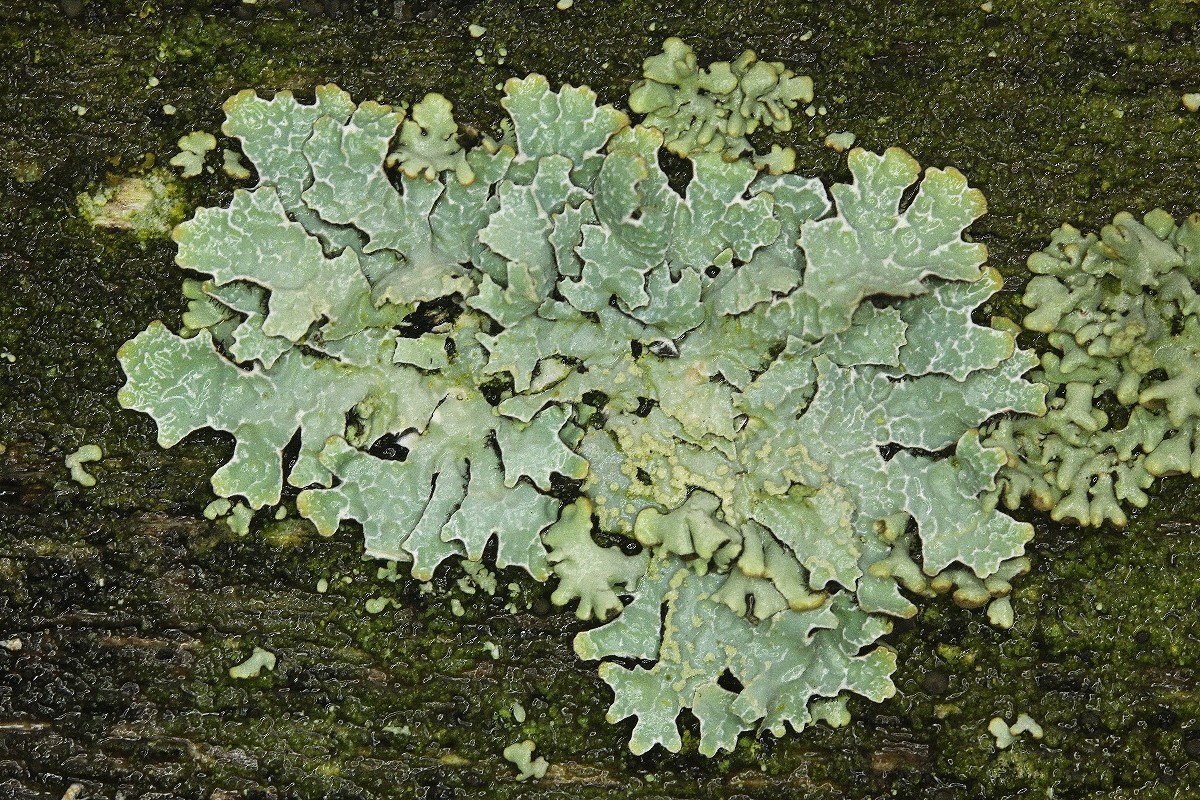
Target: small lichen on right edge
1120 311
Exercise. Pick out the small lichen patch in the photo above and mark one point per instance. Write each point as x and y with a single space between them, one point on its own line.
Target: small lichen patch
521 756
712 109
1025 724
377 605
998 728
86 454
194 147
1191 101
841 142
1005 735
253 666
1000 613
217 508
478 577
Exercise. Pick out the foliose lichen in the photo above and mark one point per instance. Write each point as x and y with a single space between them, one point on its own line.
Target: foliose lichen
772 387
1121 316
712 109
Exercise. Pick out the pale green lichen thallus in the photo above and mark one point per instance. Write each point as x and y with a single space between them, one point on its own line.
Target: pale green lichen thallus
773 386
